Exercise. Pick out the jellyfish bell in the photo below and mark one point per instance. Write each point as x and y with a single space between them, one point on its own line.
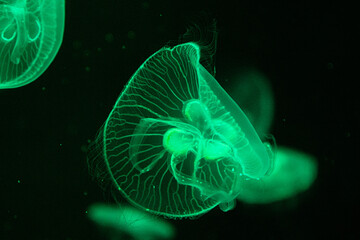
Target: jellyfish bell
31 33
175 143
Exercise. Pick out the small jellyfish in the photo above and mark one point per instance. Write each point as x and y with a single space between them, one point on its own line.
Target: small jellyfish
293 173
125 222
31 33
175 143
252 92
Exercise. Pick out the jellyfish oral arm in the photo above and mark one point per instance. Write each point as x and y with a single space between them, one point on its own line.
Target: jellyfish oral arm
21 40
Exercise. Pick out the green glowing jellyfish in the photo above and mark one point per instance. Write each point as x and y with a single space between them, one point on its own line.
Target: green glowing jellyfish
124 222
293 172
31 33
175 143
252 92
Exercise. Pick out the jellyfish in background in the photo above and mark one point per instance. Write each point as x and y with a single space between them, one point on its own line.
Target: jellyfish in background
175 143
251 90
293 173
31 33
125 222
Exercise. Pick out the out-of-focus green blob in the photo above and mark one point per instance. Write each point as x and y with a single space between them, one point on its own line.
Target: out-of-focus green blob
125 222
31 33
293 172
175 142
252 91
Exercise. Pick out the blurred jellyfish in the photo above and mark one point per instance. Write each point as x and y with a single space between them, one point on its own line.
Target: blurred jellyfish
252 91
293 173
125 222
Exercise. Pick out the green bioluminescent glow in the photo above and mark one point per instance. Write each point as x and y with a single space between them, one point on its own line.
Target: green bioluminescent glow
31 33
252 92
293 172
124 222
175 143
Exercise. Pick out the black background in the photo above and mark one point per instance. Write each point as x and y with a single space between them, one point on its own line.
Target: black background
305 51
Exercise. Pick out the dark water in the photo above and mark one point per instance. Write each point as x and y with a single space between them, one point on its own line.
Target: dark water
302 48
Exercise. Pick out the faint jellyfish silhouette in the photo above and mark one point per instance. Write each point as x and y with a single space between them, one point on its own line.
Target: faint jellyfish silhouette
31 33
125 222
252 92
175 143
293 173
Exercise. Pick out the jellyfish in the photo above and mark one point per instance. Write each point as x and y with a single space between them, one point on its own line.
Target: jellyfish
293 172
125 222
175 143
252 92
31 33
